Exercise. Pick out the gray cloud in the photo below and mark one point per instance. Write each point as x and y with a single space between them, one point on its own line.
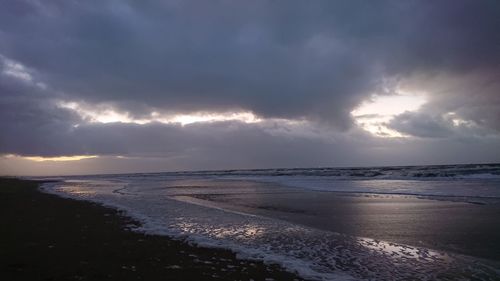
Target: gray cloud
464 104
421 125
294 59
230 146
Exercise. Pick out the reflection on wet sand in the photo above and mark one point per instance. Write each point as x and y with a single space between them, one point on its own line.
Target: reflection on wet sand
453 226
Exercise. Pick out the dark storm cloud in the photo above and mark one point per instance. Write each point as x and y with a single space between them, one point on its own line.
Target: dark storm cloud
279 59
297 60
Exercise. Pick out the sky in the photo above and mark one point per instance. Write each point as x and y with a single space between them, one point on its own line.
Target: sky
98 86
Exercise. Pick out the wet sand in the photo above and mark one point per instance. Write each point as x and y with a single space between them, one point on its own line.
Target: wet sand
458 227
45 237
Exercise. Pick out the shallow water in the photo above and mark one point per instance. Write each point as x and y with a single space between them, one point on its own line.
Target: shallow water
460 227
369 229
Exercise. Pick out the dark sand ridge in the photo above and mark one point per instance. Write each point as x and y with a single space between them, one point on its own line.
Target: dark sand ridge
45 237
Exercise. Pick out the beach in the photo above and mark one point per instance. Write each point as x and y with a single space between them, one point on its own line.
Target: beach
46 237
275 224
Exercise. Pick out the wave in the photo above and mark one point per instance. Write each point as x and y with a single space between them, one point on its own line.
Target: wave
428 172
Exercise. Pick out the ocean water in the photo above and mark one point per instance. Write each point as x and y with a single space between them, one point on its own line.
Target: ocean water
377 223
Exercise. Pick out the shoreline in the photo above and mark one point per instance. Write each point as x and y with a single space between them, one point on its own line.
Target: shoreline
53 238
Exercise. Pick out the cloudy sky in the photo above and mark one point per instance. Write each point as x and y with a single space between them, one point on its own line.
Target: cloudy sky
142 86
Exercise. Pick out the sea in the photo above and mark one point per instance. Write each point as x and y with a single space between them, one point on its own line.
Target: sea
437 222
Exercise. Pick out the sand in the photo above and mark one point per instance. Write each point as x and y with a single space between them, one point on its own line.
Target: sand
45 237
